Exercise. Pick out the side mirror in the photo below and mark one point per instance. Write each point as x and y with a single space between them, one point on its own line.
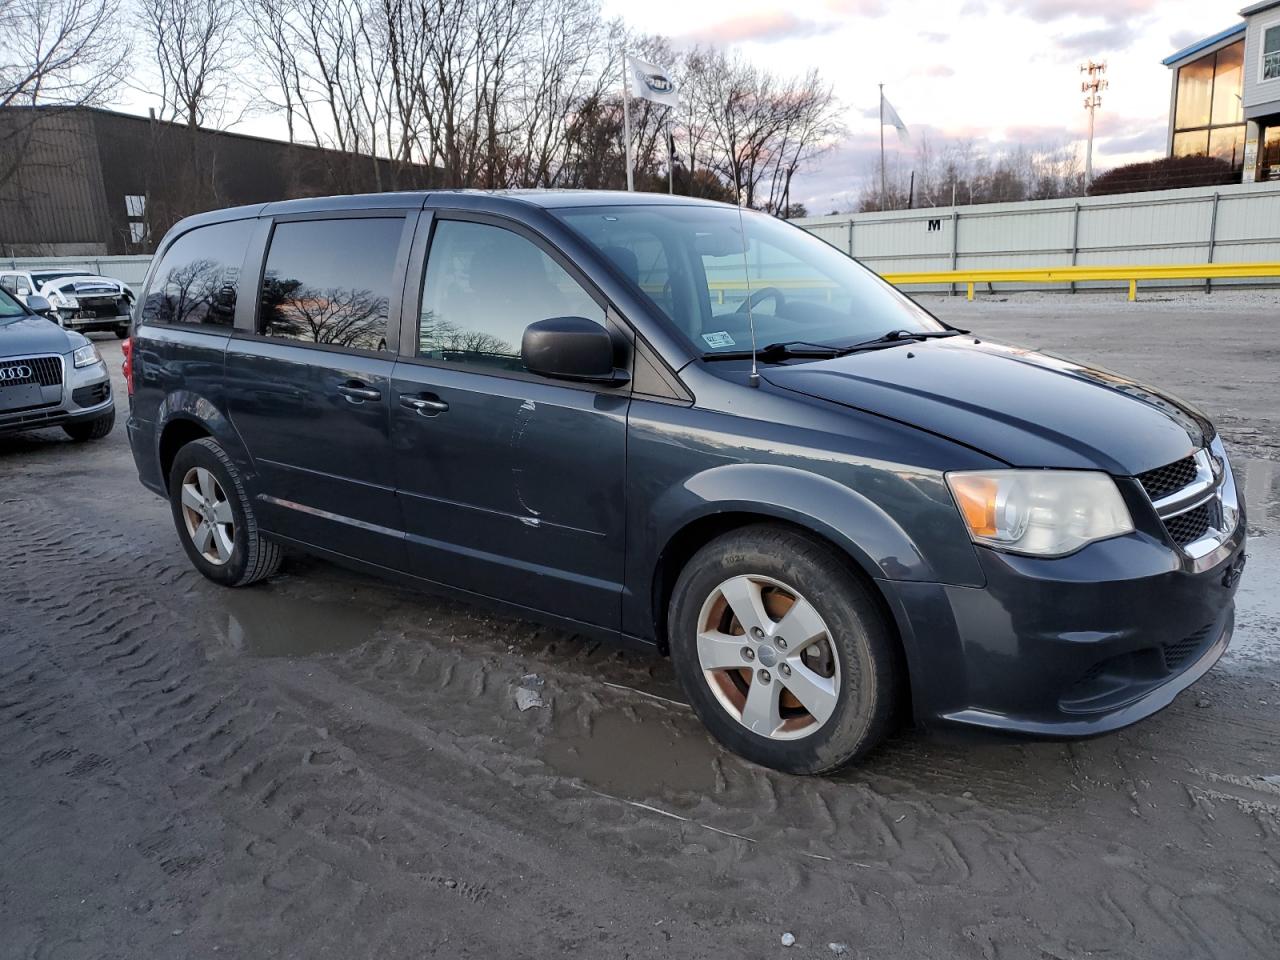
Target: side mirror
570 348
38 304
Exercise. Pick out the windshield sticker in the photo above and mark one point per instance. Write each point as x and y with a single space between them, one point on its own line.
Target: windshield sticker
718 339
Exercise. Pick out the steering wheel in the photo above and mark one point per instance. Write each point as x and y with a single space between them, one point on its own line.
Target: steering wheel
759 296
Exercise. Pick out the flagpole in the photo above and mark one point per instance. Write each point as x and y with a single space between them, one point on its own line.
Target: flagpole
626 119
671 155
882 190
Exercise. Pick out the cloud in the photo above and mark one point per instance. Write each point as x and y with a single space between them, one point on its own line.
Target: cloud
1184 38
769 27
858 8
1115 12
1151 140
934 36
934 70
1103 40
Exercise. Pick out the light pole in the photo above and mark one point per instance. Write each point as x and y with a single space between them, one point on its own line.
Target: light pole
1092 89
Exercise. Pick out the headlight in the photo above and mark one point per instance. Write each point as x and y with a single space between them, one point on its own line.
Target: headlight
86 356
63 300
1046 513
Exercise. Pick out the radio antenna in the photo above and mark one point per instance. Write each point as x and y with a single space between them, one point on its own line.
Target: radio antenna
754 379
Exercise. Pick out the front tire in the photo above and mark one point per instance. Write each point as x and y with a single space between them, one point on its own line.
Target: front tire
94 429
215 519
785 654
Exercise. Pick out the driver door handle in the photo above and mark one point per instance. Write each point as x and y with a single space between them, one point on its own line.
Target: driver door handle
426 405
357 392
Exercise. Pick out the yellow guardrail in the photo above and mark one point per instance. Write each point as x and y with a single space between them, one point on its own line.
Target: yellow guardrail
1082 274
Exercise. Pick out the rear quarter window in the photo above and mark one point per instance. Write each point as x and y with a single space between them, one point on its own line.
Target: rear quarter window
198 276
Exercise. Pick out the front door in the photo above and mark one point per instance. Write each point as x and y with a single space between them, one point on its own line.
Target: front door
309 388
511 485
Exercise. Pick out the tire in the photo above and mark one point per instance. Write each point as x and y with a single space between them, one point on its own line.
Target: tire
122 333
94 429
231 551
841 660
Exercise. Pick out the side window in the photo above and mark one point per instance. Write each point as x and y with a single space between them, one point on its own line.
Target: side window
329 281
483 286
15 283
197 279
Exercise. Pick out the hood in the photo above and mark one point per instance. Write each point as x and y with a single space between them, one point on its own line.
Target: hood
29 335
1026 408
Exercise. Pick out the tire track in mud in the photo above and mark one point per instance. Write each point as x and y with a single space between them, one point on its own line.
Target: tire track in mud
394 788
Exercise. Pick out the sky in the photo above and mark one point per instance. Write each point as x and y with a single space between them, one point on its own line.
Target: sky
1000 71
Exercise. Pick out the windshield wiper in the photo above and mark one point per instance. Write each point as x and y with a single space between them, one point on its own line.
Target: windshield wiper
805 350
783 350
894 337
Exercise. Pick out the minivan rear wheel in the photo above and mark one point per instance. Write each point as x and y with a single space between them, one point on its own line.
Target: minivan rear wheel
215 519
784 653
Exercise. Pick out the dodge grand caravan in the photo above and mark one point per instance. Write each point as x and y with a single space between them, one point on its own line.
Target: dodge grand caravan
693 428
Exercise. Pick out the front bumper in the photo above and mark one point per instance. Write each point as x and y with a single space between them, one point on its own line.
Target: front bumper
77 320
84 395
1073 646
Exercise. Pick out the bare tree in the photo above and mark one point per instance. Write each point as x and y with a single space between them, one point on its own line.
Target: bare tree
196 54
56 54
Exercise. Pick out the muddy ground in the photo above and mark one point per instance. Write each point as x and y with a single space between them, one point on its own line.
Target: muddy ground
327 766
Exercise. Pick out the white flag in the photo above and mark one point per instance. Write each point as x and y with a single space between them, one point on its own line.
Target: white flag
651 82
890 116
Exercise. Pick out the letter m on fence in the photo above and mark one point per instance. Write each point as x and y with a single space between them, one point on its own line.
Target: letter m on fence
935 225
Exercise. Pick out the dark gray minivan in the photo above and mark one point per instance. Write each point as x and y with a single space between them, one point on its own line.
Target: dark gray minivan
550 400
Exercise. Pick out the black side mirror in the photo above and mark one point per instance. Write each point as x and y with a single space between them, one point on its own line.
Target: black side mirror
570 348
38 304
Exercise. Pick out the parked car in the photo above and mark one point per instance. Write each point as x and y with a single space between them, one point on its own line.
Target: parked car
82 302
50 377
696 429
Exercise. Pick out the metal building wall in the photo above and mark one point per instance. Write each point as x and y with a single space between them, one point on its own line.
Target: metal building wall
1238 223
53 204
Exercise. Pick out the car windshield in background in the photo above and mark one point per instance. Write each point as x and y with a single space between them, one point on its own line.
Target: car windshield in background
692 263
10 308
40 279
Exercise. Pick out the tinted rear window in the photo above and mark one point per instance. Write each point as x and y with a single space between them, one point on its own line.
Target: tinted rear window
197 278
329 281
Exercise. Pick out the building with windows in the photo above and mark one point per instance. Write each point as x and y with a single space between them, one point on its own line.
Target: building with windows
1225 96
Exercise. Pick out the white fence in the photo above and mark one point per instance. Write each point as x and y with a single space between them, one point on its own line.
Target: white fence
130 270
1228 224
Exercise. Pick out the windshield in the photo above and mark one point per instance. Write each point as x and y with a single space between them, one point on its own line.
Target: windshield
689 261
40 279
9 307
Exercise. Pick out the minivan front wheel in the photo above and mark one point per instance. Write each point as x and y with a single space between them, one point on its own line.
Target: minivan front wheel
214 517
783 651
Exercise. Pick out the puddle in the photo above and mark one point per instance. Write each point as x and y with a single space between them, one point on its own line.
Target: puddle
628 755
1257 637
1259 483
266 622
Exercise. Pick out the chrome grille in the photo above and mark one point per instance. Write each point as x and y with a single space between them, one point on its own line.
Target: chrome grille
46 371
1195 499
1170 478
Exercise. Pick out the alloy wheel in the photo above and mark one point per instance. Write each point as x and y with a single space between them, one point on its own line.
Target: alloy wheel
768 657
207 514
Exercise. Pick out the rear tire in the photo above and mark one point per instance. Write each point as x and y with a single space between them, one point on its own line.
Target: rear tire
806 680
122 333
214 517
94 429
